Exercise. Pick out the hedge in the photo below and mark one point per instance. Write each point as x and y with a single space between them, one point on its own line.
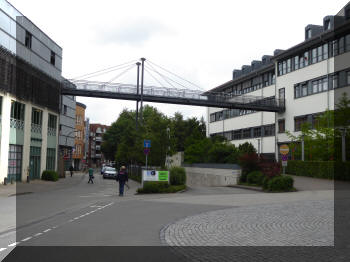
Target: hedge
177 176
49 175
319 169
255 177
159 187
280 184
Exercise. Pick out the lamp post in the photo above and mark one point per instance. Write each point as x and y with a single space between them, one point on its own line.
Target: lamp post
343 143
168 151
302 148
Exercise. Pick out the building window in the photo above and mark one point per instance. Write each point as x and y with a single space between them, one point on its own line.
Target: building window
281 126
15 162
28 40
327 25
335 80
37 116
347 43
246 133
298 122
324 84
228 135
314 55
289 65
212 117
17 110
269 130
50 159
52 58
52 121
319 54
325 51
348 77
257 132
65 109
341 45
308 33
237 134
296 63
315 86
306 58
304 90
297 91
284 67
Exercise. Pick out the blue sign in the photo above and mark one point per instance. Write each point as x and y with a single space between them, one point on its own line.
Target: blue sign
146 143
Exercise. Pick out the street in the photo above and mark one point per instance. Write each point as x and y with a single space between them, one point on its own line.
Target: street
74 213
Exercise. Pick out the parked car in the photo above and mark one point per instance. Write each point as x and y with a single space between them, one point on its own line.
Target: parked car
110 172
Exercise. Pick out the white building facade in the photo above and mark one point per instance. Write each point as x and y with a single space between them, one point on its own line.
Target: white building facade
308 78
30 76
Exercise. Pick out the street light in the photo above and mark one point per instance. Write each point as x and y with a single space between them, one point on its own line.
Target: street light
343 142
167 154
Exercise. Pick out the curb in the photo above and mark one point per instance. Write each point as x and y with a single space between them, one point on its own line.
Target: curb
248 188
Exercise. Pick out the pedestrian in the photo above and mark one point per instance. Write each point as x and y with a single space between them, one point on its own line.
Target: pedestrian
71 170
122 177
91 175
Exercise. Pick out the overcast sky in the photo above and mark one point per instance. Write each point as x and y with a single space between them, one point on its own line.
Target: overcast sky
202 41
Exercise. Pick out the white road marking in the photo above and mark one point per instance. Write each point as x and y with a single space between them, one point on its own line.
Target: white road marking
71 220
76 218
26 239
13 244
36 235
2 249
95 206
47 230
54 227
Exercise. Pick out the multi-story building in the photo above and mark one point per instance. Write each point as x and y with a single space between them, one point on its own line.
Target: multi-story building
67 130
30 77
95 156
79 145
308 78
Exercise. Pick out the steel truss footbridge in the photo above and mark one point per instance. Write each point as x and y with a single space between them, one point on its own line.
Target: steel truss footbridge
170 89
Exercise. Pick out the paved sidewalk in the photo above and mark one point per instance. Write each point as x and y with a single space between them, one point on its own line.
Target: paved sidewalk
302 183
40 185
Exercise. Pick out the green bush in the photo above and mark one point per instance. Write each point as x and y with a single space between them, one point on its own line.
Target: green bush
318 169
177 176
280 184
49 175
265 182
255 177
159 187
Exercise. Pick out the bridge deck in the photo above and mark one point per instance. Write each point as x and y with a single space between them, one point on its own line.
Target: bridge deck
262 104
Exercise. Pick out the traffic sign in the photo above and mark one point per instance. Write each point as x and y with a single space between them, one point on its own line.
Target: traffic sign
284 157
284 163
284 149
146 151
146 143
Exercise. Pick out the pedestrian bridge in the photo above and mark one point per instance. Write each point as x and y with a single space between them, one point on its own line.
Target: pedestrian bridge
171 96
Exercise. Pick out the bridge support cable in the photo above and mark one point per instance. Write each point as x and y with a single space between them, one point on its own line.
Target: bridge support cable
103 71
166 70
122 73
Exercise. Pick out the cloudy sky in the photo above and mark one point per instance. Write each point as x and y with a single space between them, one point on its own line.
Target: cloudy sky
202 41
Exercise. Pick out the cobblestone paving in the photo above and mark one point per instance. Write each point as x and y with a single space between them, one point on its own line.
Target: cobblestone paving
304 223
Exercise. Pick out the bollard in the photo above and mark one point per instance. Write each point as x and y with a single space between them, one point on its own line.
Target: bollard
5 181
11 180
27 179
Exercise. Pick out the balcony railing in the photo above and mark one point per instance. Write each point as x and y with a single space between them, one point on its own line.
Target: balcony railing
16 123
98 147
51 131
98 139
98 155
36 128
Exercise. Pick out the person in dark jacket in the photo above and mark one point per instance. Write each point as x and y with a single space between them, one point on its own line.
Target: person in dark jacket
122 177
71 170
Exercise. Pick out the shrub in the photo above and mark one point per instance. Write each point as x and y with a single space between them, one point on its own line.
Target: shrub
265 182
159 187
248 163
280 184
270 169
49 175
177 176
255 177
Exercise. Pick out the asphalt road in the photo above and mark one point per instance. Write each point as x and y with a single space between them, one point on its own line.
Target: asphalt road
77 221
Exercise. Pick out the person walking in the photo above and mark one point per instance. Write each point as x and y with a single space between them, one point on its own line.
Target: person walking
71 170
91 175
122 177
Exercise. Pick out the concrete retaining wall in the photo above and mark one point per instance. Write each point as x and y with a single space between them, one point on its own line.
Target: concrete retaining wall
211 176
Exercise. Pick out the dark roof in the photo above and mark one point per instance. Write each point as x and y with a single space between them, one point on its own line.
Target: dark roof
81 105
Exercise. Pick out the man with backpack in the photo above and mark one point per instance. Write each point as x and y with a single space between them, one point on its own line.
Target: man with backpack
122 177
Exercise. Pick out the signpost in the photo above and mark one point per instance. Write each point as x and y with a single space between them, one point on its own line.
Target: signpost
153 175
146 150
284 150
